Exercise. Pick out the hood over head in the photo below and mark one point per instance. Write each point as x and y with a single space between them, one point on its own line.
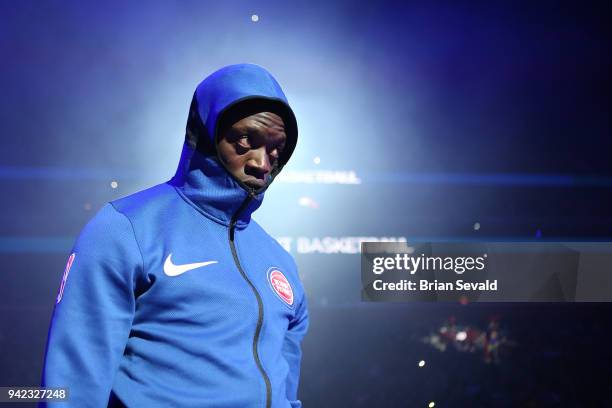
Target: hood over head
226 96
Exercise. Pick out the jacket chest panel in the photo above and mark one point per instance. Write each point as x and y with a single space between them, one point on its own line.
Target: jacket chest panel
271 277
193 278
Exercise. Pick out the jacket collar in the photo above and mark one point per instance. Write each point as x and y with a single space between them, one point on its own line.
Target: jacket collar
203 182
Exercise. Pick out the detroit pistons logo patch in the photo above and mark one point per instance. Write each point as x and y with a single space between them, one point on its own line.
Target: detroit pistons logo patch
280 285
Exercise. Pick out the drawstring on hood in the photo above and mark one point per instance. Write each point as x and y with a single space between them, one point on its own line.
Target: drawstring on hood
201 176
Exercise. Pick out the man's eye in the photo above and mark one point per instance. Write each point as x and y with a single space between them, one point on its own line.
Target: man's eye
279 150
275 154
244 141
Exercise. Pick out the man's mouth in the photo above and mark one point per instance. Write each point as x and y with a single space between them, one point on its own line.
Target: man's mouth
255 182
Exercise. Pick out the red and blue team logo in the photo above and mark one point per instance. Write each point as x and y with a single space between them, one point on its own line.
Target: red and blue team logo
65 277
280 285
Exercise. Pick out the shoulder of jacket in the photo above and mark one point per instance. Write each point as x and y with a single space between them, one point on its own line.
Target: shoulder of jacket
108 229
145 199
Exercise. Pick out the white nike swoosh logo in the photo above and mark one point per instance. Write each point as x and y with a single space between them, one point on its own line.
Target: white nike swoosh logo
171 269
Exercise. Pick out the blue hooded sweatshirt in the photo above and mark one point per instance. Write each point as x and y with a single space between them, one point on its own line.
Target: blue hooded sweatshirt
173 296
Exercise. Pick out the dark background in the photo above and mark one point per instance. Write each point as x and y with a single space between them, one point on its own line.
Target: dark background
450 113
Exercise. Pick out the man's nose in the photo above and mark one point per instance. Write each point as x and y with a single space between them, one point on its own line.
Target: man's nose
259 162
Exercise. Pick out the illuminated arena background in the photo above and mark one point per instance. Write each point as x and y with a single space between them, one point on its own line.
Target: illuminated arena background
432 121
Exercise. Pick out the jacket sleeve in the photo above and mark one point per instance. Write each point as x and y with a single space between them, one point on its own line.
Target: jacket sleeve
292 350
94 309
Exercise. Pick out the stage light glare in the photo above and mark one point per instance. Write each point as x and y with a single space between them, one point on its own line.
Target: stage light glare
461 336
114 184
422 363
254 18
308 202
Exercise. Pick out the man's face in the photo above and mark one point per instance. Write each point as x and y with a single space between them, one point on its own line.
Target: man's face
250 147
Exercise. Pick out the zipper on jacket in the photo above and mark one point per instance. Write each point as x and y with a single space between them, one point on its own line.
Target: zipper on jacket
257 296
